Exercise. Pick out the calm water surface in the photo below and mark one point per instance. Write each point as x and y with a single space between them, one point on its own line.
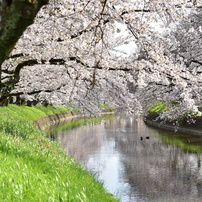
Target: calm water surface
138 163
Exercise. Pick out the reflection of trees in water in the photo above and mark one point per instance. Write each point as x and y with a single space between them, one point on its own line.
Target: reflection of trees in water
155 168
82 141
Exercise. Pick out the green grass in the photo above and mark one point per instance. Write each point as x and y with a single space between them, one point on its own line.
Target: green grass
34 168
30 113
157 107
160 106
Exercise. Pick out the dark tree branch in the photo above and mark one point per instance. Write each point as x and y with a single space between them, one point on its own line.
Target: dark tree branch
56 61
76 59
20 66
195 61
94 27
16 55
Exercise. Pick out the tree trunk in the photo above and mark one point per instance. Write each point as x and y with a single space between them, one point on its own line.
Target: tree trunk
15 17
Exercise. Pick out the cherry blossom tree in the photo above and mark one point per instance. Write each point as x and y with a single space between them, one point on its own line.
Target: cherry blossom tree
124 54
15 16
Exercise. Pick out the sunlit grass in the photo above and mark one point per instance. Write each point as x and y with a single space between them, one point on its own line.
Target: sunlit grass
30 113
157 107
34 168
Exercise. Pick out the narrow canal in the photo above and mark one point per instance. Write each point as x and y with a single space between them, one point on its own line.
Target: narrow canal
138 163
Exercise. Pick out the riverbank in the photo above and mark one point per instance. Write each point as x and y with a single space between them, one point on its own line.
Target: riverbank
194 128
187 123
34 168
47 122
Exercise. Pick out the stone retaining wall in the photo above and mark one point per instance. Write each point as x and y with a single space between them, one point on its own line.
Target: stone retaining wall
46 122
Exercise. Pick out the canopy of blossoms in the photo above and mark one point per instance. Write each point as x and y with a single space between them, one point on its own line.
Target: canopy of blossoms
120 53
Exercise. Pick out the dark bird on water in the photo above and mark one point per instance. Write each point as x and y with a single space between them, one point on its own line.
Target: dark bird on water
147 137
141 138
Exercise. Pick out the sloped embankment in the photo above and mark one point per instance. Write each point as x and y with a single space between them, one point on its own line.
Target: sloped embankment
34 168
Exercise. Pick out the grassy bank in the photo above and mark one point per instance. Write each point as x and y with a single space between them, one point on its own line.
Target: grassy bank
159 107
156 107
34 168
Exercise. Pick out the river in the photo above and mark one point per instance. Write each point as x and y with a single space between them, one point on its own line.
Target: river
136 162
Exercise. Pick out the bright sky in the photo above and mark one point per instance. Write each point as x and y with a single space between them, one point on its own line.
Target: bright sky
127 48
